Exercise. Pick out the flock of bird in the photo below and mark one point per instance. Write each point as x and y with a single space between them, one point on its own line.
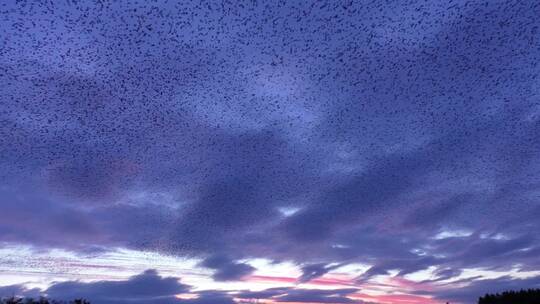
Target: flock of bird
339 110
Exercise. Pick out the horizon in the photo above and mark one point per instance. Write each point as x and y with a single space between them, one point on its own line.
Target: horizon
369 152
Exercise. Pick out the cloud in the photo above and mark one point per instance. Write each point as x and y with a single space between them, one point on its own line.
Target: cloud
294 295
53 223
313 271
447 273
19 291
145 287
479 287
263 294
317 296
226 269
211 297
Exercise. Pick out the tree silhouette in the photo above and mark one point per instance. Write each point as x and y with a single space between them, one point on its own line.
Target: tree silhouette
529 296
41 300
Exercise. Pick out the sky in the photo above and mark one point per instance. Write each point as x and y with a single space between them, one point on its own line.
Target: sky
369 152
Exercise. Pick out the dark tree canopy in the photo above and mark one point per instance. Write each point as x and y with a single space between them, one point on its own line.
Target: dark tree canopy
529 296
41 300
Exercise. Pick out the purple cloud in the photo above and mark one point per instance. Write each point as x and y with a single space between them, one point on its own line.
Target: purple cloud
145 287
226 269
299 295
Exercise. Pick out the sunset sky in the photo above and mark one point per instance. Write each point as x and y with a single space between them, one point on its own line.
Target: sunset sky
220 152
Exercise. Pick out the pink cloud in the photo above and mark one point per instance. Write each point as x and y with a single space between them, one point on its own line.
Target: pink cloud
395 299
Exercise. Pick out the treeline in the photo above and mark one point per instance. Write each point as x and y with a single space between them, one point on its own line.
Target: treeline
529 296
42 300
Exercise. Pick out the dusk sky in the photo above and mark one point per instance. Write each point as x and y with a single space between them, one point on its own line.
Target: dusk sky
220 152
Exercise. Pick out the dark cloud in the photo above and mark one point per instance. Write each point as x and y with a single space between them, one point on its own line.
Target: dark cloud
447 273
313 271
226 269
211 297
19 291
48 222
145 287
299 295
317 296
